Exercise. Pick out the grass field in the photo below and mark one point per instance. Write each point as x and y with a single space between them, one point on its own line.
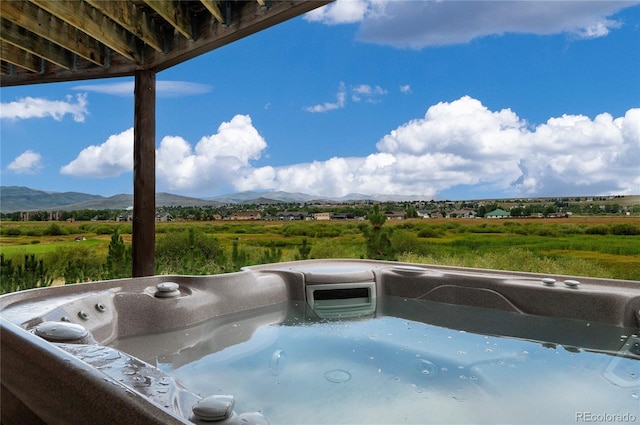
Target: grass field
580 246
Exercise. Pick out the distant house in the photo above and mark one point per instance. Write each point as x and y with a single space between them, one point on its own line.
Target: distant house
342 216
292 215
394 215
498 213
245 215
164 217
322 216
464 213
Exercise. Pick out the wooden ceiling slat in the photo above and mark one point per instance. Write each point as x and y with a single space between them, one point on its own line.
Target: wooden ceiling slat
5 68
117 38
133 19
175 14
18 57
93 23
38 46
213 6
40 23
253 19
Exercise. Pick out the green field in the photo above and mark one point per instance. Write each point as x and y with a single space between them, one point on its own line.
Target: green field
606 247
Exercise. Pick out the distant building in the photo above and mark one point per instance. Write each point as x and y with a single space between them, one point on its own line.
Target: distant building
292 215
164 217
498 213
394 215
245 215
464 213
322 216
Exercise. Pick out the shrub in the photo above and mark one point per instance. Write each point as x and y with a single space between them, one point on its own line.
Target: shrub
36 231
79 256
192 252
406 241
625 229
430 232
104 229
11 231
327 248
54 229
30 274
599 229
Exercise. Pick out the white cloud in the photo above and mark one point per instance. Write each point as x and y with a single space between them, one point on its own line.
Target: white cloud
163 88
110 159
455 143
417 24
406 88
216 161
340 102
340 12
464 143
577 154
28 162
366 92
359 93
32 107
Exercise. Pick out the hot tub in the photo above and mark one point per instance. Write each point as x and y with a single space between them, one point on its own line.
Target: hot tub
324 342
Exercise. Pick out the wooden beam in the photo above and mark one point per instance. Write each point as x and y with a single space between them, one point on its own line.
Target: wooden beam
94 23
5 68
133 19
213 6
249 18
12 33
43 24
144 174
175 14
18 57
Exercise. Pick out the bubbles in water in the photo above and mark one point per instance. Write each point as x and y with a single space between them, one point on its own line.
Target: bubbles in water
338 376
277 362
427 368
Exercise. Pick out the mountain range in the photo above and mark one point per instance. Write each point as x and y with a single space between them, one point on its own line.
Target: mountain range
20 198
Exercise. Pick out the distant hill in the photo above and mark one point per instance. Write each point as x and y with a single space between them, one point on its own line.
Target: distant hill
19 198
254 197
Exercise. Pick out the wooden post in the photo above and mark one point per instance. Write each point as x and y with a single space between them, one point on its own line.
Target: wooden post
144 174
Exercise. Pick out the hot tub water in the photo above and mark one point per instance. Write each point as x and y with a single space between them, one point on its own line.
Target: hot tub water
400 365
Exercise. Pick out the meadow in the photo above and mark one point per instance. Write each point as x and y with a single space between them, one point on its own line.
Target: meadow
596 246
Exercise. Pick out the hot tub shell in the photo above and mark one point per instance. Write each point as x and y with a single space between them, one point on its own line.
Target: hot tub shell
65 382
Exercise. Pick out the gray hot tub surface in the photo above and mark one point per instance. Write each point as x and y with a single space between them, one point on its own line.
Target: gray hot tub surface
47 381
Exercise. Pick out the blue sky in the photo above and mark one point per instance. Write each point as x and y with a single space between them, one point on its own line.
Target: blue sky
442 100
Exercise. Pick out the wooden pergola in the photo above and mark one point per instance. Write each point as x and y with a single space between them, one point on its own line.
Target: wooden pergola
46 41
